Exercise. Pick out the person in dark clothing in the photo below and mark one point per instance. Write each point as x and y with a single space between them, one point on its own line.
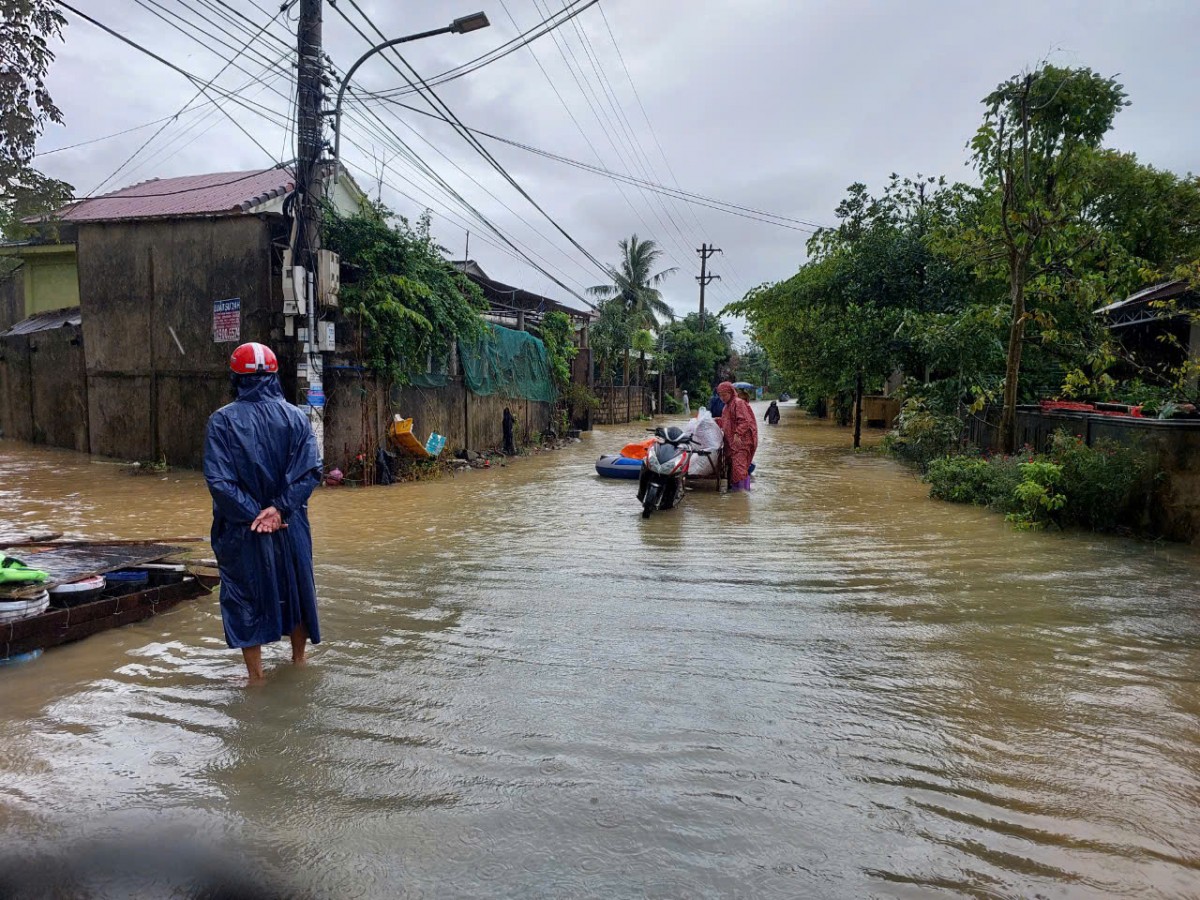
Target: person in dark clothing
772 416
510 444
716 405
261 464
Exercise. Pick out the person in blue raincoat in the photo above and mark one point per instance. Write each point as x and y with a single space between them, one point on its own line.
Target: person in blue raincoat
261 463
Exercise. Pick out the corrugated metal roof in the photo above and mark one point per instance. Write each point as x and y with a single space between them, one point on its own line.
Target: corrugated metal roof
1163 291
218 193
46 321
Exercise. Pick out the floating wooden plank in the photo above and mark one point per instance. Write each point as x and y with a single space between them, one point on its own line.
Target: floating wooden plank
71 563
32 539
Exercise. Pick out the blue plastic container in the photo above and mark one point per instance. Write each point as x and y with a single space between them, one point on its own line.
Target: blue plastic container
126 581
435 444
17 658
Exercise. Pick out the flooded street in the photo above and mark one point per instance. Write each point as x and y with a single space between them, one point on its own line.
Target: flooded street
831 688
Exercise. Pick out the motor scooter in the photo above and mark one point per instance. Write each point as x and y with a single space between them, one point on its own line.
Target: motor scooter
665 469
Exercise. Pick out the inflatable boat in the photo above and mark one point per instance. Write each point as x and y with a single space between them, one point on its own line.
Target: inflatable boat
616 466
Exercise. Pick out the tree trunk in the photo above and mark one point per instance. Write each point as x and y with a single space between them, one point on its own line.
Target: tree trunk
1012 368
642 383
625 384
858 395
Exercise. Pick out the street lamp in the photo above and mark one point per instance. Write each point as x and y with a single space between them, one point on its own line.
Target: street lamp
461 25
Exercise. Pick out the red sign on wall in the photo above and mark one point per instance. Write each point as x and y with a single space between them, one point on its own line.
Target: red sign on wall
227 321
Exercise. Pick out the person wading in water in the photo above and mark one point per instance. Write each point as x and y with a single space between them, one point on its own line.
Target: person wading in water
261 463
740 427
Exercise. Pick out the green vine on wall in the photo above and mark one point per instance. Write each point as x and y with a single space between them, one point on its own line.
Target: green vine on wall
410 302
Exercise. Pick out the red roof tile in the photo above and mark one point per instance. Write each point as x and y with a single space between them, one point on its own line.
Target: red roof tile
219 193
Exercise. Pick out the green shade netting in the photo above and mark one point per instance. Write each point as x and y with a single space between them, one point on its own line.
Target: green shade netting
506 362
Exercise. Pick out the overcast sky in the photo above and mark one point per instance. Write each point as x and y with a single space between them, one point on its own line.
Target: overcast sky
775 105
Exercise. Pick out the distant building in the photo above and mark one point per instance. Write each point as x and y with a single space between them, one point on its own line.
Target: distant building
1156 328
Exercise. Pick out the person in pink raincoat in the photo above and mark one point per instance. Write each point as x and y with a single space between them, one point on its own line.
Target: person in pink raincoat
740 427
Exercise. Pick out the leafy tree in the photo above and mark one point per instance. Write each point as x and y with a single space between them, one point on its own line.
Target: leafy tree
1033 150
556 332
836 326
611 335
410 302
696 354
26 29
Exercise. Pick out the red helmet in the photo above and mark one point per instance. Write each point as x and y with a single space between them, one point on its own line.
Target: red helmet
250 359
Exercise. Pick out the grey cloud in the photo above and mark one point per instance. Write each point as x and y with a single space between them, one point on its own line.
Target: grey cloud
771 104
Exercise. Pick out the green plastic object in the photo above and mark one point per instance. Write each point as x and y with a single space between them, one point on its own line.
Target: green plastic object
509 363
13 571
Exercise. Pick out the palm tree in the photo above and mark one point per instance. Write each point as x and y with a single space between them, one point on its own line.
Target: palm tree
636 288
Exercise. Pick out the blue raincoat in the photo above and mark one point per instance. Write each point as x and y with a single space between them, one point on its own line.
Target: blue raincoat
260 451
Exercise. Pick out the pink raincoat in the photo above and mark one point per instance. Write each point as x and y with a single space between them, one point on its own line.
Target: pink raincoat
741 435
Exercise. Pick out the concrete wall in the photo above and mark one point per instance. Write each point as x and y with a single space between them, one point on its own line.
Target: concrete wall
12 294
467 420
43 390
51 279
154 373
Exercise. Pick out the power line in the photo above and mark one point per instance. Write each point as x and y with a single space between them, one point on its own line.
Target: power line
430 96
602 120
170 65
469 176
524 39
427 171
630 138
767 218
574 120
104 137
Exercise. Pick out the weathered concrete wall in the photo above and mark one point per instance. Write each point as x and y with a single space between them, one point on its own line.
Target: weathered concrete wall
147 290
622 404
12 295
44 390
467 420
16 395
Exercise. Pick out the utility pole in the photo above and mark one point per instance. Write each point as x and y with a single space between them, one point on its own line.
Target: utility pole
306 235
705 251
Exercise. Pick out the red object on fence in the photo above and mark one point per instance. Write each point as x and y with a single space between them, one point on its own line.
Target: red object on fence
1090 408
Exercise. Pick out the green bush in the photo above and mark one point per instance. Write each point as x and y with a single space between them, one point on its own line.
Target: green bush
960 479
1037 497
1102 488
671 406
1106 485
922 435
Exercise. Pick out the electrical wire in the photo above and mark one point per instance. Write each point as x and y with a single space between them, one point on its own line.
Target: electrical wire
203 88
428 172
524 39
431 97
578 127
671 228
767 218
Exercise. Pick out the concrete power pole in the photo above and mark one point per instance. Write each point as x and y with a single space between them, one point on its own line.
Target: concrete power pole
705 251
306 240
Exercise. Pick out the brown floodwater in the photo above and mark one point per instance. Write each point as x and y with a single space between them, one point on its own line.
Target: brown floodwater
833 687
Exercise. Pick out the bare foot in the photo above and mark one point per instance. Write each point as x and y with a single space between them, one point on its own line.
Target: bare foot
299 661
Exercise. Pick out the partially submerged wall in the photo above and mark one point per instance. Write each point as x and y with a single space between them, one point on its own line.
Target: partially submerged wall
43 389
358 410
154 372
